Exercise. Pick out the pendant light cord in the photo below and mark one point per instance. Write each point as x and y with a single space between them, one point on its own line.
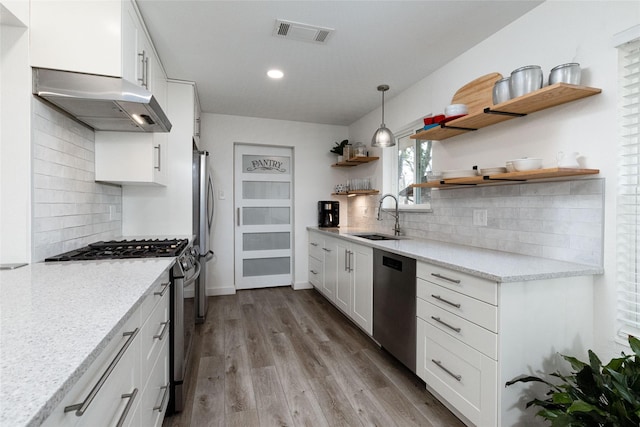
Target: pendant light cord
383 125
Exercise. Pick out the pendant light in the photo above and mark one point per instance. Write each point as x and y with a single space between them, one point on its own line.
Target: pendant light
383 136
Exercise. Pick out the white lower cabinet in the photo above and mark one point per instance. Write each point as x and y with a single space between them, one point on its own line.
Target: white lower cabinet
360 266
474 335
343 272
128 374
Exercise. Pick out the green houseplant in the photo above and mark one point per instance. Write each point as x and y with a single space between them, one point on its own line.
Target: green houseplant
595 394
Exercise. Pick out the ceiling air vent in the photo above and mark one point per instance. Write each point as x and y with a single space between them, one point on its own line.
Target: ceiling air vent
303 32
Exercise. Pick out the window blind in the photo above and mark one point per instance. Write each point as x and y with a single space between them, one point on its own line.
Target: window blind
628 200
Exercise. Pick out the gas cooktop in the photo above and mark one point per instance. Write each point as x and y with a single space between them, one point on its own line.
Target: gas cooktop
122 249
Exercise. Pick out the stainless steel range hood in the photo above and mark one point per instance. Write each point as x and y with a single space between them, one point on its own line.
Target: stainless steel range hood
102 102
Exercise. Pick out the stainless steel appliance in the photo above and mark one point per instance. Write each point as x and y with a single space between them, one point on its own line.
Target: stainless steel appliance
101 102
394 305
203 216
185 271
328 213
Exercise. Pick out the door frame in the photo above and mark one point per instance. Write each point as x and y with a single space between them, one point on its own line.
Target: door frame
292 198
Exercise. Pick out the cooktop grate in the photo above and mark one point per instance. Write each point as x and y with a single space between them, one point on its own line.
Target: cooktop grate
123 249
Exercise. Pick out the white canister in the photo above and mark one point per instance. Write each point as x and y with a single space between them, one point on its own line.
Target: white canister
568 160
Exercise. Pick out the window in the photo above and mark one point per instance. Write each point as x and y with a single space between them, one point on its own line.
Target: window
628 218
411 163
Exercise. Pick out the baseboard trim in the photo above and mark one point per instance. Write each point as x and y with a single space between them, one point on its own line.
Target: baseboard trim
302 285
212 292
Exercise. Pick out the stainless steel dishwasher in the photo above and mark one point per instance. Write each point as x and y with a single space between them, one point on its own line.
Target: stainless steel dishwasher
394 305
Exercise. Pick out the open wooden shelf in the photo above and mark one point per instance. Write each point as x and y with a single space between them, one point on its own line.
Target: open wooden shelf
354 161
547 97
508 177
357 193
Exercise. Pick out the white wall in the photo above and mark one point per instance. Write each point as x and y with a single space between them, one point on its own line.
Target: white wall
15 135
554 33
314 180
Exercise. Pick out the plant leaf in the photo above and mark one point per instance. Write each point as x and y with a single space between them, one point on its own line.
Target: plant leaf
582 406
562 398
634 343
527 379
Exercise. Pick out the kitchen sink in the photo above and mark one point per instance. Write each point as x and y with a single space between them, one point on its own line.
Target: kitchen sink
374 236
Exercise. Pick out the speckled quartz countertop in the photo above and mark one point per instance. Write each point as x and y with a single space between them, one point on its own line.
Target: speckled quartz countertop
493 265
55 319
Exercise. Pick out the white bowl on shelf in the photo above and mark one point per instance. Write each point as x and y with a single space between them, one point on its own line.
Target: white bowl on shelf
526 164
455 110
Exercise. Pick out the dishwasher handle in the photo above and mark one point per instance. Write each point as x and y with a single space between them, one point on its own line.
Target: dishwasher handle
393 263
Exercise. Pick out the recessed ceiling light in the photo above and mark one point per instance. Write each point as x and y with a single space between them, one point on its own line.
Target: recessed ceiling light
275 74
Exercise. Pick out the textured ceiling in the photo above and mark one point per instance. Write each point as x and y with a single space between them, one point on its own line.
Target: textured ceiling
226 47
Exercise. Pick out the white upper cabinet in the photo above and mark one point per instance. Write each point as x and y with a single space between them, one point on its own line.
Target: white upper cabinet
78 36
104 37
196 119
131 158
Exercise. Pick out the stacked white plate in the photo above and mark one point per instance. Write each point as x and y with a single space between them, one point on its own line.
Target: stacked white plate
459 173
492 171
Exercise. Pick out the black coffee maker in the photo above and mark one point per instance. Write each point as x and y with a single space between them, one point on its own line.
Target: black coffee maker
328 213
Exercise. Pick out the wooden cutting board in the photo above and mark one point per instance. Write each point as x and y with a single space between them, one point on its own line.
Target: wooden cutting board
477 94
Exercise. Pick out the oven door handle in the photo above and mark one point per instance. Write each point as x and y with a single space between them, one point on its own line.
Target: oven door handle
195 275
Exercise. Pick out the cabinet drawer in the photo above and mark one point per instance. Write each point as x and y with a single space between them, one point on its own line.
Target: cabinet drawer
316 243
482 289
469 333
155 397
153 336
462 376
316 273
471 309
160 288
108 405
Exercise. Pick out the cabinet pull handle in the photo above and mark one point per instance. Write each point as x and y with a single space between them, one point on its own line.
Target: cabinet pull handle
313 271
440 276
346 260
131 396
81 407
350 260
439 365
439 298
164 397
198 126
437 319
238 216
161 292
142 71
159 147
314 244
326 250
165 328
146 72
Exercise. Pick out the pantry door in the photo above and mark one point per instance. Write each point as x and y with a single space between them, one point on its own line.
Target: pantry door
264 215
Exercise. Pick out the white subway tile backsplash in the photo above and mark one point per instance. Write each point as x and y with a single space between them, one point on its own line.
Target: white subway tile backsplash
70 209
559 219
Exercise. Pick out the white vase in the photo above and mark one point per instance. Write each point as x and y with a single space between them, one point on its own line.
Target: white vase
340 159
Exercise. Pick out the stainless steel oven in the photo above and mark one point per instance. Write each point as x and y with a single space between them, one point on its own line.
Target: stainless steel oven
185 271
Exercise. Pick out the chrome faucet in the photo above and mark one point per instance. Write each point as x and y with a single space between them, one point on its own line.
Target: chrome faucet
396 227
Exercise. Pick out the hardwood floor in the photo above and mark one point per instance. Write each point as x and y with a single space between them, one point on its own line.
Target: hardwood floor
278 357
